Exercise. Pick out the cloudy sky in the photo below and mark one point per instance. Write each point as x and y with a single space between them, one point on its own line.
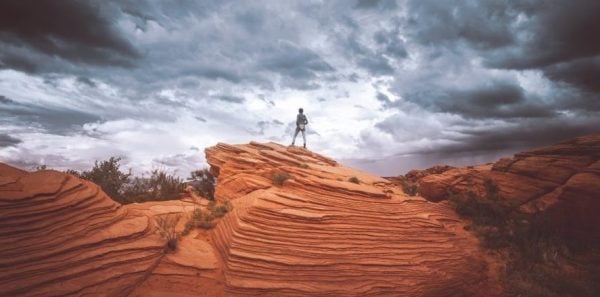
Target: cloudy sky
387 85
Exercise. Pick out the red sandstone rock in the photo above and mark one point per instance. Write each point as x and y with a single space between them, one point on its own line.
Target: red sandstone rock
62 236
317 234
321 235
561 181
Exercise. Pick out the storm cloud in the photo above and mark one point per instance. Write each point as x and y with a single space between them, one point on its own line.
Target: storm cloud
380 81
73 31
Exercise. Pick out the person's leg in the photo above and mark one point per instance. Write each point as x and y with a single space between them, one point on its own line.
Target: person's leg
295 134
304 137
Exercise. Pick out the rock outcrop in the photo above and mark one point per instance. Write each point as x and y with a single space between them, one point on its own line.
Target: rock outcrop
319 234
62 236
561 182
301 225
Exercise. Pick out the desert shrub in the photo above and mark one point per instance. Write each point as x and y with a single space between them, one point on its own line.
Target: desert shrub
304 166
537 263
73 172
108 175
203 182
409 187
354 179
166 226
158 187
40 167
480 210
280 177
219 211
201 219
547 278
491 189
164 186
204 218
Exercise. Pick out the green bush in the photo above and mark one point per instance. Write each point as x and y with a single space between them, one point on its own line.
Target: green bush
204 218
280 177
108 175
354 179
121 187
203 182
158 187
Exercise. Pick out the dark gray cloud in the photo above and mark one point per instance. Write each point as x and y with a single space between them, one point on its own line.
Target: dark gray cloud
86 81
495 99
391 43
583 73
483 24
231 98
379 4
76 31
7 140
51 119
530 134
375 62
418 76
263 125
556 37
384 99
552 31
291 60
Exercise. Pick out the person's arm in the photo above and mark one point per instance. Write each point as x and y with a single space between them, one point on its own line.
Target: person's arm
305 120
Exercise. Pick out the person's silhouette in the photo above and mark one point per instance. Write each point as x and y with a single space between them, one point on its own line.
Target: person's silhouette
301 123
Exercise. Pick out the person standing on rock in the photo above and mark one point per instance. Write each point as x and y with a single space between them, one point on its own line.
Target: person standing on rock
301 123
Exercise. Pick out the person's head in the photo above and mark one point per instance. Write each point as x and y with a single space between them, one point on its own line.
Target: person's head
300 110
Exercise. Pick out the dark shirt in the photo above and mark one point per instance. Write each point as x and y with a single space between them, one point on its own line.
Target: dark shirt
301 119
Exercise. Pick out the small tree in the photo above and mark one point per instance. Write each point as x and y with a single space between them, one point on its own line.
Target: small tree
109 177
203 182
164 186
159 186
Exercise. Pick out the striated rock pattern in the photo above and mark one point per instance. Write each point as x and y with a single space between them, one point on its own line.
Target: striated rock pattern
301 225
560 181
319 234
62 236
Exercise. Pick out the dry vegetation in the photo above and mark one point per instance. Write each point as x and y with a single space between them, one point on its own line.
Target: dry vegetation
159 185
280 177
540 262
166 226
204 218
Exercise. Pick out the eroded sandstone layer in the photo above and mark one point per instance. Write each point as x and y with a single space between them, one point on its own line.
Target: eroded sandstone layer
326 230
560 182
319 234
62 236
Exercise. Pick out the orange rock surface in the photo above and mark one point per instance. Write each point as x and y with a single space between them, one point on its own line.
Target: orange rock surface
316 234
561 181
319 234
62 236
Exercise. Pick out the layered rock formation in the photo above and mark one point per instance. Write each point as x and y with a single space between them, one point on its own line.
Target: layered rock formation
62 236
562 182
319 234
301 225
